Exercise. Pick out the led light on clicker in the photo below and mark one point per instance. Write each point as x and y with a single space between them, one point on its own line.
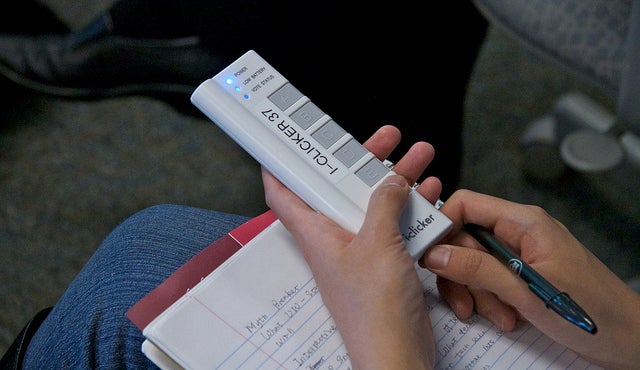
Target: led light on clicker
229 81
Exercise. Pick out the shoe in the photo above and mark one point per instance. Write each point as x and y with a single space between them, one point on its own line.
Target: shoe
94 64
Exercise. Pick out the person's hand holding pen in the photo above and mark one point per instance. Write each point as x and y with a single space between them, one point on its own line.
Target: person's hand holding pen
471 280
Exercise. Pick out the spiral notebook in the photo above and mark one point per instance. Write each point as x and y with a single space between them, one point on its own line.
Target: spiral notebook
249 301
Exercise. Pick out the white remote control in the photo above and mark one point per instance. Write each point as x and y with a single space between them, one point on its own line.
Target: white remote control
306 150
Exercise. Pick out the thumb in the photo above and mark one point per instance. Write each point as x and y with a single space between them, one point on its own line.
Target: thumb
385 207
474 268
465 266
481 273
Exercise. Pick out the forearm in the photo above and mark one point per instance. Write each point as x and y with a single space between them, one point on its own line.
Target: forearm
391 343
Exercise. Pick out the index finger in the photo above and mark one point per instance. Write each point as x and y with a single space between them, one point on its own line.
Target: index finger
466 206
515 224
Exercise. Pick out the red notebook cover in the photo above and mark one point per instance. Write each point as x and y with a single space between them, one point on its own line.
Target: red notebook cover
198 267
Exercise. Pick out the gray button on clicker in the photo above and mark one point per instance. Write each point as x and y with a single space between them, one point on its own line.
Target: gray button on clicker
307 115
372 172
285 96
328 134
350 152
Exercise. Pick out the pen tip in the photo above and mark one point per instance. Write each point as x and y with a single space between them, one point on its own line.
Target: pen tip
570 310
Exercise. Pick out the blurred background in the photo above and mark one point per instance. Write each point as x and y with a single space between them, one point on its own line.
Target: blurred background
70 171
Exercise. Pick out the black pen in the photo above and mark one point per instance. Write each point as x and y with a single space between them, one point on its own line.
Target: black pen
558 301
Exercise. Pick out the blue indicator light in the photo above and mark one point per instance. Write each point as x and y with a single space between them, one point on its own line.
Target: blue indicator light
229 81
238 88
246 96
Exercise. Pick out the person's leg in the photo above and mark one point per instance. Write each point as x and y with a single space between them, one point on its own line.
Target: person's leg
87 328
29 17
155 19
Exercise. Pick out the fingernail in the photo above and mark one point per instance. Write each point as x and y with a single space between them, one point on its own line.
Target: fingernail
438 256
395 180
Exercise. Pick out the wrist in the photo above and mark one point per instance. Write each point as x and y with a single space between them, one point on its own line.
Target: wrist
395 346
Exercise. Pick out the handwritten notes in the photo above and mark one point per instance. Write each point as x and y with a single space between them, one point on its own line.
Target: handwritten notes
261 310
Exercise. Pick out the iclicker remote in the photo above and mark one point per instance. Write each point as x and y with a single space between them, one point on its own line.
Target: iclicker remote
306 149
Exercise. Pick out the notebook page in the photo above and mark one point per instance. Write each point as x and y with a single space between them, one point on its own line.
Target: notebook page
261 309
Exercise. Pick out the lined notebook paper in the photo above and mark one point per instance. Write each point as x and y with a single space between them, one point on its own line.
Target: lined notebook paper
260 309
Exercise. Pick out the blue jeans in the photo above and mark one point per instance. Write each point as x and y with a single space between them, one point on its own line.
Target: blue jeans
87 328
